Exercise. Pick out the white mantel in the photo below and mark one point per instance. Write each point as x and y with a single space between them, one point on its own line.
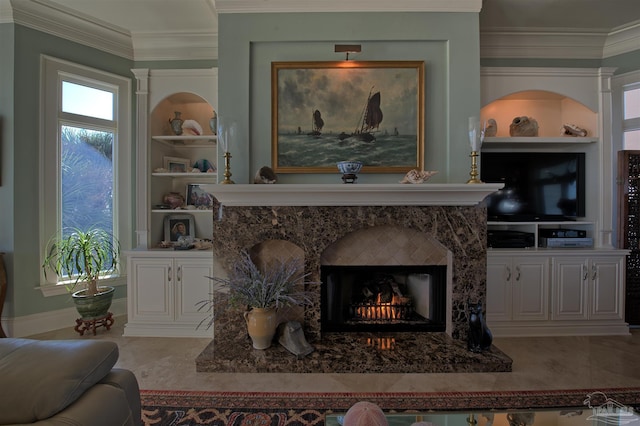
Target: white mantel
428 194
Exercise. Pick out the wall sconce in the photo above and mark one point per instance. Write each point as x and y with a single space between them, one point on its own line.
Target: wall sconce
347 48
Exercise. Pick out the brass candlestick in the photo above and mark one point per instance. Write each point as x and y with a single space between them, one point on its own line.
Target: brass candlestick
474 168
227 168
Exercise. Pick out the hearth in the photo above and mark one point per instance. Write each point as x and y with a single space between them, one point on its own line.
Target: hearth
383 298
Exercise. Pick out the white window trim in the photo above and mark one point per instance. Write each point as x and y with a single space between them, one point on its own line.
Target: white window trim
50 101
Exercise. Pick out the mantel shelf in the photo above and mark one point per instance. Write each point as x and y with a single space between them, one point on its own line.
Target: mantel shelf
429 194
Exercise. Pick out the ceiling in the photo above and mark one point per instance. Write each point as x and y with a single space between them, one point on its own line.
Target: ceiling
164 21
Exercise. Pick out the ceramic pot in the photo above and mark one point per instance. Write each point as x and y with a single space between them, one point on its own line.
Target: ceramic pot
261 325
97 306
176 123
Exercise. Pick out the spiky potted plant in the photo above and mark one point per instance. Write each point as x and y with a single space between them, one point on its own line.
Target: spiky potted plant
83 257
261 292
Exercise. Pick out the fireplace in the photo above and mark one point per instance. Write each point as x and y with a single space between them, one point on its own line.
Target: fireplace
429 241
383 298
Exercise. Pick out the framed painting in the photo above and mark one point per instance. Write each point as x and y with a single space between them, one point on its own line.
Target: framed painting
326 112
198 197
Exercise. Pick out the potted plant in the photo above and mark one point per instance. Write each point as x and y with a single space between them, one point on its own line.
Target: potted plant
261 292
84 257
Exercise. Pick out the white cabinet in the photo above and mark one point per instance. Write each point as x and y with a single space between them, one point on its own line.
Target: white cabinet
163 291
517 288
555 292
586 288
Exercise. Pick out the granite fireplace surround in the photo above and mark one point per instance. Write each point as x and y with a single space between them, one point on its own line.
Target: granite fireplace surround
451 235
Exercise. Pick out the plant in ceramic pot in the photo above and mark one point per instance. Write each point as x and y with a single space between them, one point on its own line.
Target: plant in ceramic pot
262 291
83 257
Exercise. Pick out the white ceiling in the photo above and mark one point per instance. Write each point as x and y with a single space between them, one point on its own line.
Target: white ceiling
160 29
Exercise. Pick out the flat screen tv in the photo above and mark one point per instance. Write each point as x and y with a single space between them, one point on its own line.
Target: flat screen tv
538 186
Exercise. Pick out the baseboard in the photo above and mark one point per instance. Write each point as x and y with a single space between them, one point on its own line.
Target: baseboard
43 322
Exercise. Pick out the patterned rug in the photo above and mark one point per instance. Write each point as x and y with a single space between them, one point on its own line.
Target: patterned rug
298 409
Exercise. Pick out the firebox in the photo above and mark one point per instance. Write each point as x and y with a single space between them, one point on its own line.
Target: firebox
383 298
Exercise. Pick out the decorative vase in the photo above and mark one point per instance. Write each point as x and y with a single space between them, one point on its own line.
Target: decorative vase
176 123
261 325
213 123
173 200
97 306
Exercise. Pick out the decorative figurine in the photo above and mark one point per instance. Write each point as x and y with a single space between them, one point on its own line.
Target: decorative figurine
480 337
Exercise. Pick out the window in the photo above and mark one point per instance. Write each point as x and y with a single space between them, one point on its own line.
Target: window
631 114
85 152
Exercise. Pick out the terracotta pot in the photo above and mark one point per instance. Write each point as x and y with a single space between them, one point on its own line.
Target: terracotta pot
261 325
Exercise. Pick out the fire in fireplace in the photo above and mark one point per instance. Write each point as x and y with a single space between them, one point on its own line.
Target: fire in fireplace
383 298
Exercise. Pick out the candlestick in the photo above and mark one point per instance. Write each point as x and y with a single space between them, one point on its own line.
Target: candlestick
227 168
474 168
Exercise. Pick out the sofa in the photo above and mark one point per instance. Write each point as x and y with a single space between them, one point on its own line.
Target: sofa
65 382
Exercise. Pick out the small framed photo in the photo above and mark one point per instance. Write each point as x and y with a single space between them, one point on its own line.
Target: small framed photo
198 197
178 225
177 165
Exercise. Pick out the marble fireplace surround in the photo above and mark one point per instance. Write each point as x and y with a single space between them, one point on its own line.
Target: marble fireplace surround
389 224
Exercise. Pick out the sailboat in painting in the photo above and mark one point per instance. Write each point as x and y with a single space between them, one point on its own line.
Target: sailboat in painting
369 121
317 123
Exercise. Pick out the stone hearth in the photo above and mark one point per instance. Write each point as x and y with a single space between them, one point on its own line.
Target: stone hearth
318 233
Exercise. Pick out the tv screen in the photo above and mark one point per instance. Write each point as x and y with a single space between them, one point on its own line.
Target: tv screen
538 186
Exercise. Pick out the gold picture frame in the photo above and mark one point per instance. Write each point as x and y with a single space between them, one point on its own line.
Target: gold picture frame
326 112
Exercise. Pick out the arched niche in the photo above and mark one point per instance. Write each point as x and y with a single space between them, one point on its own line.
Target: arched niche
191 107
550 109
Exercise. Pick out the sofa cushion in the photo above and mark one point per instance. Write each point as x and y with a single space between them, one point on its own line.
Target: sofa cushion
40 378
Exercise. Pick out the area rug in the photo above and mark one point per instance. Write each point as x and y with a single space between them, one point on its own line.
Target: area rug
300 409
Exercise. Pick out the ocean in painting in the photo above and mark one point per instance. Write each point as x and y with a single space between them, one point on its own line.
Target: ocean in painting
302 150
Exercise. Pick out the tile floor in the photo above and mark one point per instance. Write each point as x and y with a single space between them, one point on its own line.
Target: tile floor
539 363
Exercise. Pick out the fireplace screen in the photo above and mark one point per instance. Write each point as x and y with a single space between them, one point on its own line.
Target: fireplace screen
383 298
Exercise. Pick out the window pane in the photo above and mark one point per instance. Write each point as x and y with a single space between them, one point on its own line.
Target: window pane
631 140
87 178
631 104
83 100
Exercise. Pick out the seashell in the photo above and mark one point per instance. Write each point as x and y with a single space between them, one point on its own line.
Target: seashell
491 129
415 176
573 130
265 175
191 127
523 126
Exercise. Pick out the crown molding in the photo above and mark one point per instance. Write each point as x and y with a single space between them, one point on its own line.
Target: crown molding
559 43
6 12
533 43
154 46
61 22
623 39
288 6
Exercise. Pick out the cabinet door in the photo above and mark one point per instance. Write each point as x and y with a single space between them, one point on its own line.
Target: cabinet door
192 286
606 280
150 290
499 292
530 289
570 283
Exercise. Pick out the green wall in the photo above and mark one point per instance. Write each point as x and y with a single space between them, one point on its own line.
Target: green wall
23 150
447 42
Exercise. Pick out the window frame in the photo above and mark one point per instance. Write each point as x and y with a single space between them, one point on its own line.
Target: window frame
53 72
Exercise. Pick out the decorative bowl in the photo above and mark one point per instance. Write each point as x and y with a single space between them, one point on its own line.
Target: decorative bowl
349 167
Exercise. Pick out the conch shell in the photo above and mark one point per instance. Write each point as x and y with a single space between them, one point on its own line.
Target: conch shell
573 130
415 176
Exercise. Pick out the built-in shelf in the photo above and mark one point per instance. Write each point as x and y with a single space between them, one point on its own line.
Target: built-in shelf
186 175
540 140
187 140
